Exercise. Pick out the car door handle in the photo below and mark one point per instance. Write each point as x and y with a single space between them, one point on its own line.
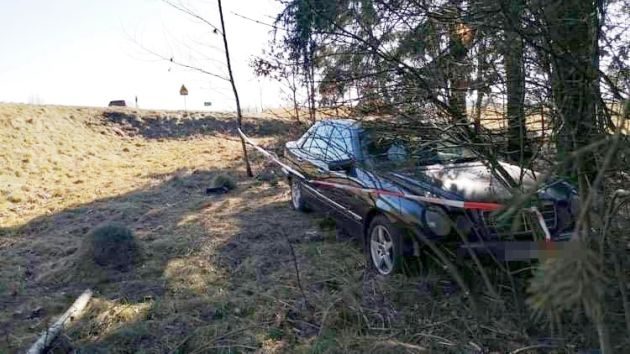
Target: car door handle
299 159
321 170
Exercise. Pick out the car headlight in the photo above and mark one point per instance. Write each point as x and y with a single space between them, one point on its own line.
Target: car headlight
436 220
463 225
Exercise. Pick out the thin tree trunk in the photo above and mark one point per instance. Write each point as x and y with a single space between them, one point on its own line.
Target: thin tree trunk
574 77
312 83
573 29
309 94
481 67
518 145
458 67
296 107
239 116
457 80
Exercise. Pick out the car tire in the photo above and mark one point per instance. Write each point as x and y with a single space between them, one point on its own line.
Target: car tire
384 247
297 195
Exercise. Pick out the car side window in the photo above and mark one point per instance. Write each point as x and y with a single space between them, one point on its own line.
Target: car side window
340 144
307 138
316 144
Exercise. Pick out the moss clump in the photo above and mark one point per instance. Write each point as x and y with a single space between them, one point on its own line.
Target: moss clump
112 246
224 180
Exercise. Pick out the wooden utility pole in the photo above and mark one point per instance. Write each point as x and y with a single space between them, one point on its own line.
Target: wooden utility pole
239 116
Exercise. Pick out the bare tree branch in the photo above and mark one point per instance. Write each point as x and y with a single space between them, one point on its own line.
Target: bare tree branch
183 65
180 7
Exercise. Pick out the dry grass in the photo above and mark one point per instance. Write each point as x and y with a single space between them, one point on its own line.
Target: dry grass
493 118
217 273
539 123
65 170
55 157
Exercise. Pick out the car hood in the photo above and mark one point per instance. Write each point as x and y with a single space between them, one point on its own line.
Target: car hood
471 181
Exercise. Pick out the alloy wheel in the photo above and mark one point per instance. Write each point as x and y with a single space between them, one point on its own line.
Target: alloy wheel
382 250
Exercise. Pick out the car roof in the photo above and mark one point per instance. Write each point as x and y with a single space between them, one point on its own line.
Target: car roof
349 123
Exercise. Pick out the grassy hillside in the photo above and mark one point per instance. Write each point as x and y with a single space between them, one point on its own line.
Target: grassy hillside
55 157
66 170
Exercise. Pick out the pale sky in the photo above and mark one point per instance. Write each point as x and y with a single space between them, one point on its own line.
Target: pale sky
88 52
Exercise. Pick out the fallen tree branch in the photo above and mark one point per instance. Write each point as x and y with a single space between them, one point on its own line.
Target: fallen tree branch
75 311
295 266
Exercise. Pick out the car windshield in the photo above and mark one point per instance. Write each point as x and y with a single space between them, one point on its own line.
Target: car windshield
391 149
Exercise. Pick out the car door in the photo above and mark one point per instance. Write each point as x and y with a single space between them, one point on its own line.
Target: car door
312 161
300 155
351 204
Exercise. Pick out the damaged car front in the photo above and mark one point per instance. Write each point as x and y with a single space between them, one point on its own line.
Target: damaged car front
529 219
400 190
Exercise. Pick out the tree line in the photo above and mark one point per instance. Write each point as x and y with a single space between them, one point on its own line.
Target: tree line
557 72
460 59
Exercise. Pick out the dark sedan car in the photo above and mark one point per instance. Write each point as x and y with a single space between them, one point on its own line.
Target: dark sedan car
363 176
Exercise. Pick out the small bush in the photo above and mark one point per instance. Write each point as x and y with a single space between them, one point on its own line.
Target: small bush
224 180
275 333
16 197
326 224
268 174
113 246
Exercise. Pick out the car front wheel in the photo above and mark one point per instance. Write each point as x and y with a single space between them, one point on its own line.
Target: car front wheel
384 246
297 197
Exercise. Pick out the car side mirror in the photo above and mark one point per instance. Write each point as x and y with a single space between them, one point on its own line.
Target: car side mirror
341 165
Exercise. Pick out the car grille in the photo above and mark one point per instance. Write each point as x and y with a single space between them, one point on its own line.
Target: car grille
522 223
548 211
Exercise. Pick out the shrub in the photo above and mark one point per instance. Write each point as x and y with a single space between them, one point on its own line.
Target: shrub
326 224
268 175
113 246
224 180
16 197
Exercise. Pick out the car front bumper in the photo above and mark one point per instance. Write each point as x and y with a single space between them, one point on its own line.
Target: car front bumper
516 250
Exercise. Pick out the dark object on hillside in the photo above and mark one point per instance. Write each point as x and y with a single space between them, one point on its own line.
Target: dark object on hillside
117 103
112 246
358 158
221 183
224 180
217 190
